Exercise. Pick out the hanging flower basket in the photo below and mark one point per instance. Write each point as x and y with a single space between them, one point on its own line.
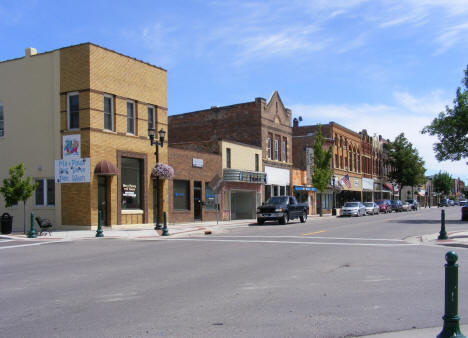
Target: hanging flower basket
162 171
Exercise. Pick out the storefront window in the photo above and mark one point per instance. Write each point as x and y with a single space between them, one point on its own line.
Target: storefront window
267 192
131 183
210 203
181 195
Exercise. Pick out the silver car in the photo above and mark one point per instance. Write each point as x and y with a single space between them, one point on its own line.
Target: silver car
371 208
353 209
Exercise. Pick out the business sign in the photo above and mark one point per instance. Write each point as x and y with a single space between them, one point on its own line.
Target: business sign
197 162
368 184
129 190
71 146
302 188
72 170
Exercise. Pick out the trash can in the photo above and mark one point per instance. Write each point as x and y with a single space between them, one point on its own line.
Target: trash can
7 223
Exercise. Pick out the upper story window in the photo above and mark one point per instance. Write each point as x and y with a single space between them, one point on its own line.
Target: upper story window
228 157
257 162
108 112
269 145
45 192
73 110
275 150
2 121
336 161
151 117
284 150
131 117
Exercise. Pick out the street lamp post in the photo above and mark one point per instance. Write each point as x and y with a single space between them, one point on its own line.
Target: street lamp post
334 196
157 143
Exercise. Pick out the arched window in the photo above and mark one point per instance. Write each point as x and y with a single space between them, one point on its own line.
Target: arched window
2 121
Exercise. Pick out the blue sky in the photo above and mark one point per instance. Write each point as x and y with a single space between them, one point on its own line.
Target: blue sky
388 66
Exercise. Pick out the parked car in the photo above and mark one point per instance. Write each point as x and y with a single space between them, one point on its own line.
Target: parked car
407 206
384 205
444 203
397 205
414 204
451 202
353 209
371 208
464 212
282 209
463 202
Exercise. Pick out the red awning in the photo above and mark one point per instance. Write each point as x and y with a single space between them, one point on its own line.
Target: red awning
106 168
388 186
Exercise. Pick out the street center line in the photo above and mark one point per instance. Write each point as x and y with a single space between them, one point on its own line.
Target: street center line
21 245
317 237
314 233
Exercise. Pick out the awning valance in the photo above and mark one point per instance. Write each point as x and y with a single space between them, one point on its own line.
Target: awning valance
388 186
106 168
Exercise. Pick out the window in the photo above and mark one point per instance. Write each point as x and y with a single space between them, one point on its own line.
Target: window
336 161
181 194
130 117
210 201
275 149
131 169
151 117
269 147
73 111
45 192
257 163
2 121
228 157
108 112
284 150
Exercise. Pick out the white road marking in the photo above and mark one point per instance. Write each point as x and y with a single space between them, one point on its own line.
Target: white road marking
285 242
6 240
22 245
317 237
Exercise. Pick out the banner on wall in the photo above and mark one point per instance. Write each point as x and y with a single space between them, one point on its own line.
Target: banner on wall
71 146
72 170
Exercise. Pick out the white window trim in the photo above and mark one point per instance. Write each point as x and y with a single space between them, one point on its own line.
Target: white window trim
275 150
68 109
150 106
44 194
111 97
134 117
269 145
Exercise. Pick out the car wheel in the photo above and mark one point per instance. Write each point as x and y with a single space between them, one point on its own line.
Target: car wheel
284 219
303 218
260 222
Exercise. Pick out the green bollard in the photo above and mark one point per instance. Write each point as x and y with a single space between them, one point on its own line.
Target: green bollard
164 230
443 232
99 232
32 232
451 319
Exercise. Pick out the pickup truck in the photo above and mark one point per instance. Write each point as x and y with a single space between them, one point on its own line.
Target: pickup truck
282 209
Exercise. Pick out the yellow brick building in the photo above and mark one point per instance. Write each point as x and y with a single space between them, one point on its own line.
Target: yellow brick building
102 100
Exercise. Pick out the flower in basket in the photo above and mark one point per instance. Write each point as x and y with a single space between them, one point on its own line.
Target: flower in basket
162 170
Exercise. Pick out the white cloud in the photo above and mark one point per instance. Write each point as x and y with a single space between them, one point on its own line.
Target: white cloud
408 114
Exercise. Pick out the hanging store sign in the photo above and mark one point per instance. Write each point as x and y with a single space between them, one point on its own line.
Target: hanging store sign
367 184
72 170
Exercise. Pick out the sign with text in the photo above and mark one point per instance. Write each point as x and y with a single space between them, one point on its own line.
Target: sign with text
197 162
72 170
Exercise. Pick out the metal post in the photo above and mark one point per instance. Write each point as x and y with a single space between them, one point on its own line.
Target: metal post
165 232
32 232
334 198
443 232
158 223
99 232
451 319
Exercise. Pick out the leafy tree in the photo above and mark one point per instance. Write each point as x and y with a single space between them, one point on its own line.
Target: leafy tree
407 167
16 189
451 127
322 165
442 182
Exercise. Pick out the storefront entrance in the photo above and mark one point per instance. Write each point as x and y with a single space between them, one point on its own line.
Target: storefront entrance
102 199
197 202
243 204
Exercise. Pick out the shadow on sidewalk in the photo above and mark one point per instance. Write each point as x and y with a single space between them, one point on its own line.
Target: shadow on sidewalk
426 221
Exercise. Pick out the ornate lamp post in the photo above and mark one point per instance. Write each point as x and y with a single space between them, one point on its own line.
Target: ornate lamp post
334 196
158 143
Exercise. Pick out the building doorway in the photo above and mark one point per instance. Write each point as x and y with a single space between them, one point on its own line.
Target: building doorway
102 199
197 202
243 204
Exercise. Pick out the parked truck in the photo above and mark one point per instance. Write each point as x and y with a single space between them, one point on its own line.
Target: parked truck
282 209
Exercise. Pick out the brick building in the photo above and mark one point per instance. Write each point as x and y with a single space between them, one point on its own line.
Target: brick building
259 123
89 107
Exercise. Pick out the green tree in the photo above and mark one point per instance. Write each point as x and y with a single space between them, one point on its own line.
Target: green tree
442 183
451 127
322 165
407 167
16 189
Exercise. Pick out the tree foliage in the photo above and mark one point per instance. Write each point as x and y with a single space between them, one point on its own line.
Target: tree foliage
407 167
322 165
451 127
442 183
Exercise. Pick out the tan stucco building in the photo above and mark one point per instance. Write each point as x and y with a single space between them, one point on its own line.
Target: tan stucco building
91 108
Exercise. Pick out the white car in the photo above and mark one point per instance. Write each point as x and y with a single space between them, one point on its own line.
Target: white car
407 206
353 209
371 208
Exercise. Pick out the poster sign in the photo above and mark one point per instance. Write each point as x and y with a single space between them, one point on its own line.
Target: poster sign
72 170
71 146
129 190
197 162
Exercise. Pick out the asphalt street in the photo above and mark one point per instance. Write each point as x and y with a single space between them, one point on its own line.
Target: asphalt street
336 277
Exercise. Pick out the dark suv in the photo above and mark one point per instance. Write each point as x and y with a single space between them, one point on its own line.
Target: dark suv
397 205
384 206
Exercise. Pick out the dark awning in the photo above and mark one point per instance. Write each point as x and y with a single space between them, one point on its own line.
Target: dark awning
106 168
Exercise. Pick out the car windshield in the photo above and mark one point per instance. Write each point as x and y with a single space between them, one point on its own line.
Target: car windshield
369 204
379 202
409 201
278 200
351 204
